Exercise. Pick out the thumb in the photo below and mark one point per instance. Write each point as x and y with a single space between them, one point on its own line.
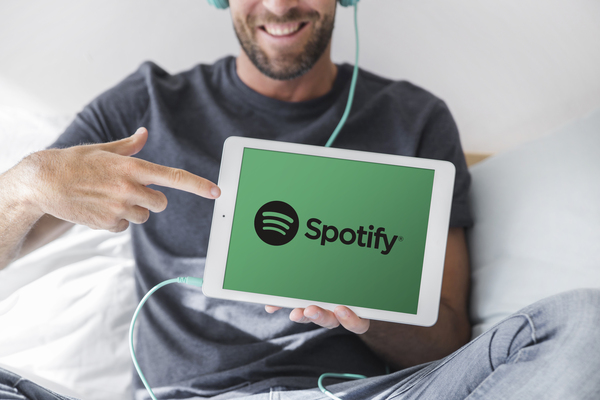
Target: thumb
129 146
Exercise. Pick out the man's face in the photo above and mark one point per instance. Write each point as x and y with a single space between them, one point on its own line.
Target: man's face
283 38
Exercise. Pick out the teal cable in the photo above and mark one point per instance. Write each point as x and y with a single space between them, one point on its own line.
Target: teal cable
331 375
352 86
198 281
328 144
187 279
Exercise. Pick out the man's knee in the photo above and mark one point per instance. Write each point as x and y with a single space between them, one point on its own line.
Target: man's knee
575 313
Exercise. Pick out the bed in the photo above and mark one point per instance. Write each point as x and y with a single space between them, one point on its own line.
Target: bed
65 308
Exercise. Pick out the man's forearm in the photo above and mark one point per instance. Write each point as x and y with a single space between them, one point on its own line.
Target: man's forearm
402 346
16 219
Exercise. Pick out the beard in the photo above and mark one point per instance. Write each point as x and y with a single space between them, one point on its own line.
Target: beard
285 66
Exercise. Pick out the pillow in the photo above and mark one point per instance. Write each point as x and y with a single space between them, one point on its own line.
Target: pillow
537 222
23 132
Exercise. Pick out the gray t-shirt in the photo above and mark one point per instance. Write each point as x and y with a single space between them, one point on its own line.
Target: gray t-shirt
190 345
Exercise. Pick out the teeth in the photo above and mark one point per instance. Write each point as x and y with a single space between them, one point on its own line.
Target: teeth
282 30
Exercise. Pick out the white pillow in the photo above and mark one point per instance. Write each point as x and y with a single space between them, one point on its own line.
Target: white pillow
537 222
23 132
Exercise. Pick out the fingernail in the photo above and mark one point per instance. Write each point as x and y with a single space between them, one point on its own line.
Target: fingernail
314 316
138 131
215 191
342 313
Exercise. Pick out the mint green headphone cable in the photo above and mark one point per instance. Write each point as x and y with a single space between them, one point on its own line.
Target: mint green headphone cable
332 375
352 86
198 281
187 279
328 144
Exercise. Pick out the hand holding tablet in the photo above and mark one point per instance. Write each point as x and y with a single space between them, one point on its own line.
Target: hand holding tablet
341 315
294 229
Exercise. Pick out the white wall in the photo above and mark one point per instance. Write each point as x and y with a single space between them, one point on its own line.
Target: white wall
510 70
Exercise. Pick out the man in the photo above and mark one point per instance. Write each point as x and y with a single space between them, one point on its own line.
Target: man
282 86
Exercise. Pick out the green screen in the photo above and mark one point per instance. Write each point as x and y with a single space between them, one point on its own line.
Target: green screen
380 213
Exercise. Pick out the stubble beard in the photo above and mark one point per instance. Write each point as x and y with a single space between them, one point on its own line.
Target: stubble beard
285 66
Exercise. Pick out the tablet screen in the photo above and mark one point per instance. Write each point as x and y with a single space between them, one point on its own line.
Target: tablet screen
329 230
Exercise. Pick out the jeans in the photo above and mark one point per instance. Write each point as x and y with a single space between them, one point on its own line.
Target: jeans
548 350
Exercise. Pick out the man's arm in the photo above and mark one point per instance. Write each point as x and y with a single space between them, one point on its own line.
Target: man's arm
22 228
17 218
45 230
403 345
98 185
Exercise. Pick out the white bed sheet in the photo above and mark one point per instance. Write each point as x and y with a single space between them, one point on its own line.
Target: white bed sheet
65 312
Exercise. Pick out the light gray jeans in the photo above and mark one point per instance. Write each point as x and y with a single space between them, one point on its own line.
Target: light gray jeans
548 350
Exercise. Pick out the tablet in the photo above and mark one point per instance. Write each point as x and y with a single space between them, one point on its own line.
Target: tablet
298 225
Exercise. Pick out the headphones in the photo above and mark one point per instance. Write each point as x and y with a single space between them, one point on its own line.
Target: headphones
223 4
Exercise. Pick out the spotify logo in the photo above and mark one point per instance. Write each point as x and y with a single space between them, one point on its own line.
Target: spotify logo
276 223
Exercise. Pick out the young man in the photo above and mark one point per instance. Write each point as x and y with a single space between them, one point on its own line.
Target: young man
282 86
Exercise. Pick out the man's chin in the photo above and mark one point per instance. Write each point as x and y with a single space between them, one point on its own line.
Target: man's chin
283 68
283 74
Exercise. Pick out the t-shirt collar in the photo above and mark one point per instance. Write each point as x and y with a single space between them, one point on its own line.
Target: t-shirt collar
283 108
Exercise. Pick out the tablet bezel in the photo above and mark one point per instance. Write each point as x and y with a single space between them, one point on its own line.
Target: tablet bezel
437 230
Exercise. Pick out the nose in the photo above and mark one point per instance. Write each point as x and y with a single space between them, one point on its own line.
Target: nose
279 7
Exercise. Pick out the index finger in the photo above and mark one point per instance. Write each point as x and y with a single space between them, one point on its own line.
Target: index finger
177 178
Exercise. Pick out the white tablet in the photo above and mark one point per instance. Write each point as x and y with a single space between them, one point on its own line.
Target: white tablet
298 225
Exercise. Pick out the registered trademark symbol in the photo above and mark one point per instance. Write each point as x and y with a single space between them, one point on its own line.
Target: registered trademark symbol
401 238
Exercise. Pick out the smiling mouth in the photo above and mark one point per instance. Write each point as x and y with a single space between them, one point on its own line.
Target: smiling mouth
279 30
